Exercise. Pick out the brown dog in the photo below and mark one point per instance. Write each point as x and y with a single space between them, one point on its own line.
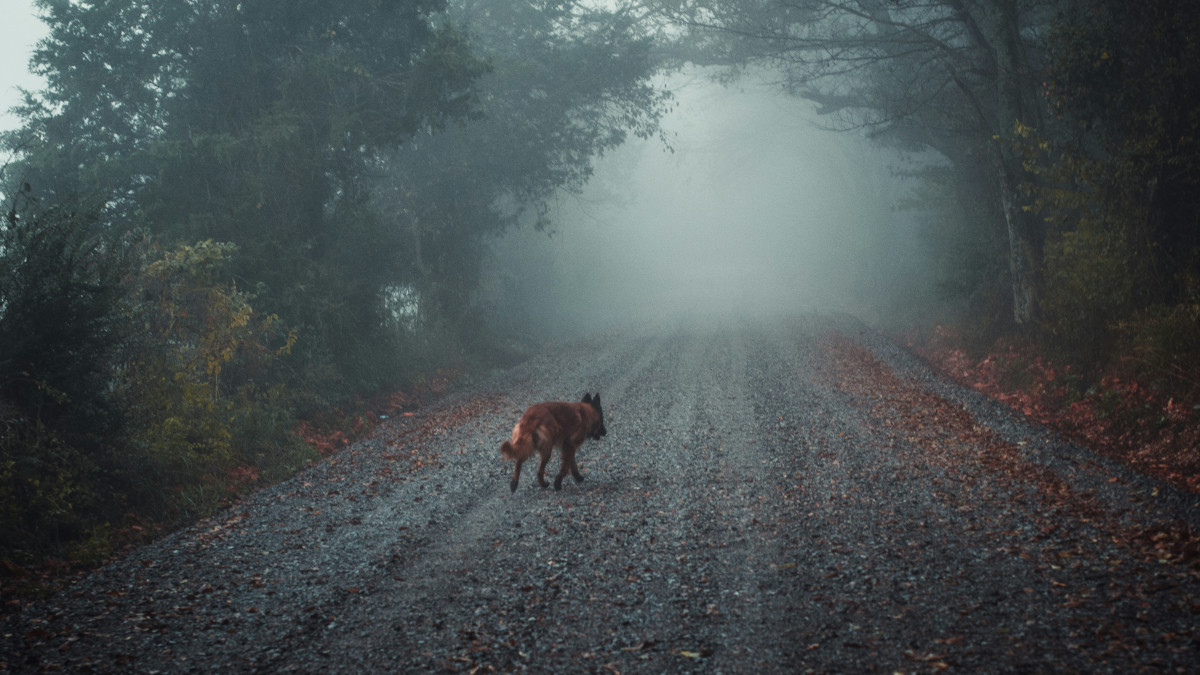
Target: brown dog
546 426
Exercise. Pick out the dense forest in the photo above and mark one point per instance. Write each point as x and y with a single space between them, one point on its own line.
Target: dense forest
223 219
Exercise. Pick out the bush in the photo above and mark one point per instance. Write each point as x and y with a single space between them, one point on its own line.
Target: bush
135 386
1165 343
1090 282
198 385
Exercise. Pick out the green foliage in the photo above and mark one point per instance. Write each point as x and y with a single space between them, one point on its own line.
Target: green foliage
1118 177
1090 280
255 124
315 141
45 487
197 387
60 284
316 138
134 381
60 293
1164 341
284 177
1094 253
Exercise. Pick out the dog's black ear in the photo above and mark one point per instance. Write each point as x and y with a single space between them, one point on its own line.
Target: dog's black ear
596 400
587 398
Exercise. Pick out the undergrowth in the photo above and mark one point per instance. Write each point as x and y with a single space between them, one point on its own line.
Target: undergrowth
1124 408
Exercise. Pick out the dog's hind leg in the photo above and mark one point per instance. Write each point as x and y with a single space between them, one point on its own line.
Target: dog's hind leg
512 485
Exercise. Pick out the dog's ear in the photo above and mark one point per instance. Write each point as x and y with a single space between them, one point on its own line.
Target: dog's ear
596 400
587 398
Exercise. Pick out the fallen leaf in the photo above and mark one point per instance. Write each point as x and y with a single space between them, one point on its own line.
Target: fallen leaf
913 655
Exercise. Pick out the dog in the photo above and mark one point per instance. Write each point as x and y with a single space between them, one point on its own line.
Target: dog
550 425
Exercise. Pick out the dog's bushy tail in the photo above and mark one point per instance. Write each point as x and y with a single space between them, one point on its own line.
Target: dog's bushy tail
520 447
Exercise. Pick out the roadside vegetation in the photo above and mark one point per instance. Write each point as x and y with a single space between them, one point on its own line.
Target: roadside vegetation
1125 411
237 234
1113 359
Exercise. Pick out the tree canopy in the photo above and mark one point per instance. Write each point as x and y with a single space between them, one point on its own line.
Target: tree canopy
279 186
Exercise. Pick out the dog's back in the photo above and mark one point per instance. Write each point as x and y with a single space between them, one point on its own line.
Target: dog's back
554 424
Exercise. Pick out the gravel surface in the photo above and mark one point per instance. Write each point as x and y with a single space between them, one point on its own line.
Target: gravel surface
781 497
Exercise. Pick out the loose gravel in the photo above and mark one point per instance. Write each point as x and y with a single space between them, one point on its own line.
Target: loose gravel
792 496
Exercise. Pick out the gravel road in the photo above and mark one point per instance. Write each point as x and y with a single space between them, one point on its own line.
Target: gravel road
780 497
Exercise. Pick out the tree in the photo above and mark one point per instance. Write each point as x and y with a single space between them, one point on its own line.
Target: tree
194 383
317 138
61 292
1123 79
1118 183
255 124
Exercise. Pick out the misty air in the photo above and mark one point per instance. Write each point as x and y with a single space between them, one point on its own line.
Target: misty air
599 336
747 208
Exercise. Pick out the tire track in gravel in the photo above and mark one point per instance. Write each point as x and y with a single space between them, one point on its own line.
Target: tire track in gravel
993 562
472 521
653 564
770 498
689 494
851 577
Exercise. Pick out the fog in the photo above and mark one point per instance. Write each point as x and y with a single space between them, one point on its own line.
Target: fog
756 209
19 31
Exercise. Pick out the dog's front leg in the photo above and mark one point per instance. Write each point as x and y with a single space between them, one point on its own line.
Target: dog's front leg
541 476
568 465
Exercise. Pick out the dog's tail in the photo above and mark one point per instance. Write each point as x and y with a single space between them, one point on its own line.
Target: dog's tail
521 445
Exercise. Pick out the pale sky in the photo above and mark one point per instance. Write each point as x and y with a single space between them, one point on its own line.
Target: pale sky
19 31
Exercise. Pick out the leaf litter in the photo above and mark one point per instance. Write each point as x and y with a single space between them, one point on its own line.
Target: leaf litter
770 498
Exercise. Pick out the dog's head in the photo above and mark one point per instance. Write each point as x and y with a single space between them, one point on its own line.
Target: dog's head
598 430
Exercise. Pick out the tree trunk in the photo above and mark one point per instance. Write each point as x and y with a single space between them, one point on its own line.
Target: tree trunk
1001 24
1024 251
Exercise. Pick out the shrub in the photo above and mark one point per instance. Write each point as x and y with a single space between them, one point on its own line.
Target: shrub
198 385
